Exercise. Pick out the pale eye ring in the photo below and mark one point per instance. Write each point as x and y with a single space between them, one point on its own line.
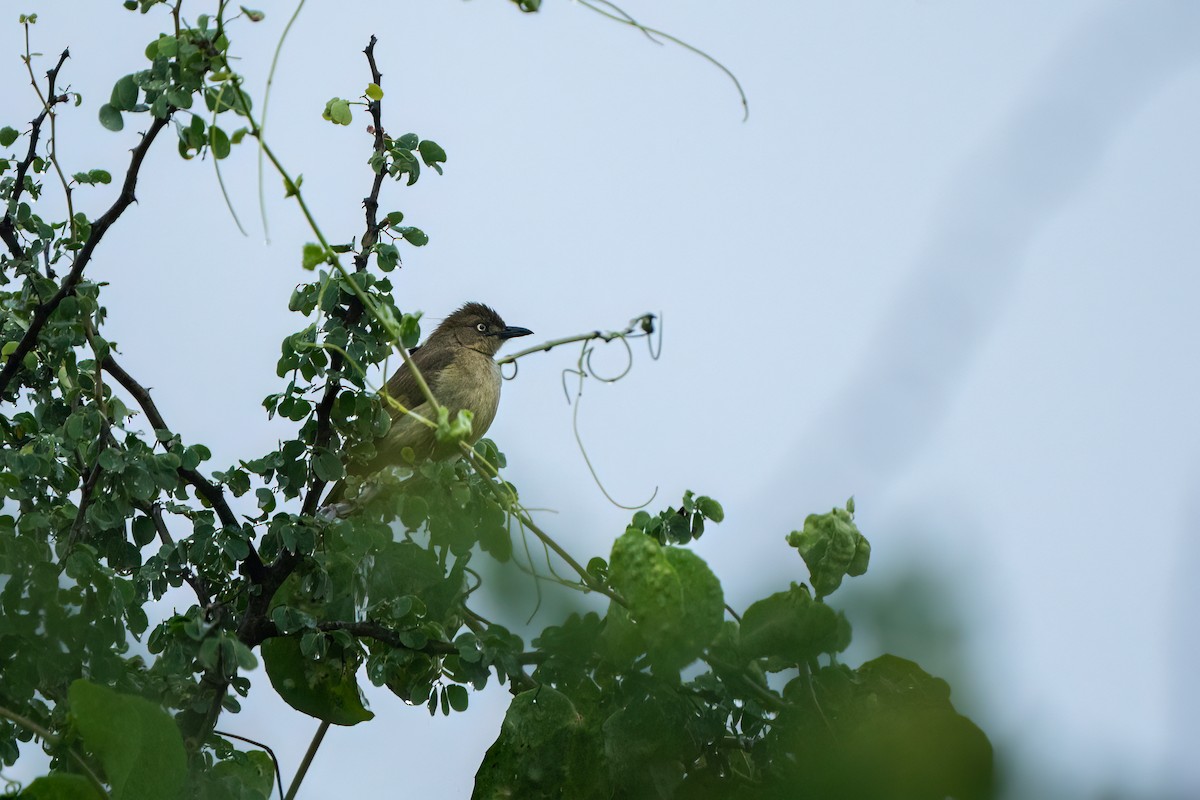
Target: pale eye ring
481 327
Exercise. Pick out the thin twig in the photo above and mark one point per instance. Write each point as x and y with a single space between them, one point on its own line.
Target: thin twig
266 747
262 197
644 323
625 19
764 696
586 577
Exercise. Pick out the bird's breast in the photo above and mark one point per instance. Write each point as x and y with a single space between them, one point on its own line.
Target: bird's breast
471 381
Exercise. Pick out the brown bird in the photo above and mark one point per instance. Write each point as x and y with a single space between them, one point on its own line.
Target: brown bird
457 361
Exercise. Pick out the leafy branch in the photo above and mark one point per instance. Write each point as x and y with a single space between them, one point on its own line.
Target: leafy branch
99 228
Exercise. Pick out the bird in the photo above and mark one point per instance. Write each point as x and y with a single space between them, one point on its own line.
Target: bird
458 363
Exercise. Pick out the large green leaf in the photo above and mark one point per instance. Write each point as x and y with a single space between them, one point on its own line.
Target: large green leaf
136 741
791 628
325 688
537 747
673 597
61 786
887 729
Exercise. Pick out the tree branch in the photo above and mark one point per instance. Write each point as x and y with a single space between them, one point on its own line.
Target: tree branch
354 312
7 228
100 227
205 488
198 584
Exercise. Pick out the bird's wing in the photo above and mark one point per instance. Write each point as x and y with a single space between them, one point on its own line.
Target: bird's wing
402 386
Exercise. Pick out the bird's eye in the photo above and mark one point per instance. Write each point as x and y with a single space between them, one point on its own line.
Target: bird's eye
481 327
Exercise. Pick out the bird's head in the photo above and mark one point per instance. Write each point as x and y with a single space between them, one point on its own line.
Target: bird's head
478 327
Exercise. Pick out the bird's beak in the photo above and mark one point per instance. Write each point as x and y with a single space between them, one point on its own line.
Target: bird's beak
512 332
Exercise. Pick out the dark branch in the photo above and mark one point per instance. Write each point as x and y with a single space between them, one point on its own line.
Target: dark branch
99 228
89 486
7 228
381 633
333 385
205 488
198 584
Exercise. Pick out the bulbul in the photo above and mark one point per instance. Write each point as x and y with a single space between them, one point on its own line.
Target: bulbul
457 361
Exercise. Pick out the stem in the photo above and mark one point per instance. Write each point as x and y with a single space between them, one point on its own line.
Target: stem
625 19
267 748
486 471
47 736
307 762
262 199
634 325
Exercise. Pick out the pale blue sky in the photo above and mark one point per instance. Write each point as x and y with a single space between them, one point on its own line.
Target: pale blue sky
948 266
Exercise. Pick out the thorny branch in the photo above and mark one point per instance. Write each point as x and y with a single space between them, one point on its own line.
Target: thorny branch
7 228
205 488
354 312
99 228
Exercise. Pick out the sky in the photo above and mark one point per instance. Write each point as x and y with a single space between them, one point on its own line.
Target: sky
948 266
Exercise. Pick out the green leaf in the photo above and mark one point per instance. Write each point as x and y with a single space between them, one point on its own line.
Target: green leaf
143 531
793 627
124 94
314 254
432 154
324 688
387 256
410 330
533 752
710 508
458 697
8 136
61 786
219 142
136 741
374 91
110 118
832 547
414 236
246 776
673 597
266 499
887 729
337 111
328 466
